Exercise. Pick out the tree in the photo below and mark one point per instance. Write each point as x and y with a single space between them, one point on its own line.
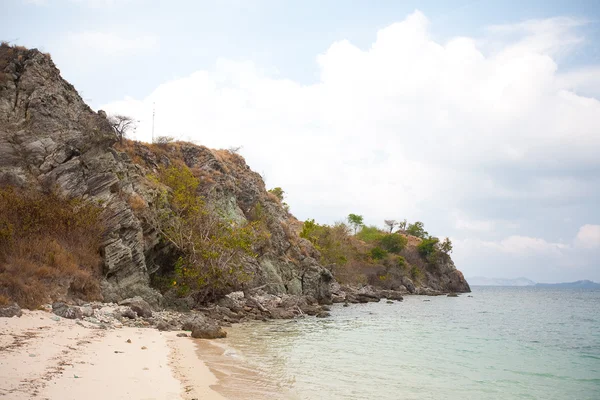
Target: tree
417 229
402 224
356 221
122 125
391 223
446 246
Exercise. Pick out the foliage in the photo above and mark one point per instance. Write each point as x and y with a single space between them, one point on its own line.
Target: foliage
213 252
278 192
402 224
355 221
370 234
427 247
49 247
377 253
446 246
393 243
401 262
331 241
417 229
416 274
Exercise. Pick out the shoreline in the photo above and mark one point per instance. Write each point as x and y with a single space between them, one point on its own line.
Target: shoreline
46 357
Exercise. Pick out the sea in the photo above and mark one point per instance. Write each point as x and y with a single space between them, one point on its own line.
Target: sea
493 343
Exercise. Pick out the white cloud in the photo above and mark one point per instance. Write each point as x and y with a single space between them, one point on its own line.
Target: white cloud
110 43
398 130
588 236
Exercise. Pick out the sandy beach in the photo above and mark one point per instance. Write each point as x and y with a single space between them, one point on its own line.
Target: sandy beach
46 357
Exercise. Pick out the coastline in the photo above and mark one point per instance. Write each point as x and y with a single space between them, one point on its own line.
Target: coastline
46 357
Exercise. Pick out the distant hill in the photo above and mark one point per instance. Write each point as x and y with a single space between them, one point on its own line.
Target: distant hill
585 284
483 281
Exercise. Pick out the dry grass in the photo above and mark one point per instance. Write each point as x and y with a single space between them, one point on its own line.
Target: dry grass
137 203
49 248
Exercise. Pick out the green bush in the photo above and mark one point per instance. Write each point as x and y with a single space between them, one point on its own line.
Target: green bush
393 243
377 253
427 247
370 234
416 274
417 229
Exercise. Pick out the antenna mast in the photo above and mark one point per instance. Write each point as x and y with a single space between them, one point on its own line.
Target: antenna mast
153 113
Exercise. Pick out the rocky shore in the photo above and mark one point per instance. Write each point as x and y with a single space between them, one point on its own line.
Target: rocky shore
207 322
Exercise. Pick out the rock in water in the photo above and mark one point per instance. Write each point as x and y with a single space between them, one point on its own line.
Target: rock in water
139 305
11 311
66 311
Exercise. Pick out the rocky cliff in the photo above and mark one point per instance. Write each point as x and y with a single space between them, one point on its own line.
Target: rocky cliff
49 138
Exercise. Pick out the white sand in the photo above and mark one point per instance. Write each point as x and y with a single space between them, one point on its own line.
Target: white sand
47 359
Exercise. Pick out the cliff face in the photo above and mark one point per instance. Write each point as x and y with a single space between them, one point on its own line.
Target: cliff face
49 138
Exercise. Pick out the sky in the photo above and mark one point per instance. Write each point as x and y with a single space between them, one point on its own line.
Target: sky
479 118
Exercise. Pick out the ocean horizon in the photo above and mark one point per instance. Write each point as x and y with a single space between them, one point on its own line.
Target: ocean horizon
496 342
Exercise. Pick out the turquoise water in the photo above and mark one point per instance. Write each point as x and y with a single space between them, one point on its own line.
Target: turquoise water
502 343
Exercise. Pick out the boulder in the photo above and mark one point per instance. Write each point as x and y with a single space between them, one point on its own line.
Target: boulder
323 314
66 311
391 295
282 313
139 305
202 327
163 326
10 311
128 313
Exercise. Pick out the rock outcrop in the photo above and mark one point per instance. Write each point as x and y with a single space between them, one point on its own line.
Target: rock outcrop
49 137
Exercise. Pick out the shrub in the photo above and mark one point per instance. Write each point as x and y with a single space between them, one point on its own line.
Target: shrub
213 252
370 234
393 242
427 247
416 274
278 192
49 247
417 229
377 253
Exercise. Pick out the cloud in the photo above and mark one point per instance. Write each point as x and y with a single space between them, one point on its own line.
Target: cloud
408 128
588 236
111 43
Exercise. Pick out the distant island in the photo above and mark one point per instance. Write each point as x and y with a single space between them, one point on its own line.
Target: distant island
483 281
584 284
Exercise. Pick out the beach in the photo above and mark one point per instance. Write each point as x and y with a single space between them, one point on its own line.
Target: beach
47 357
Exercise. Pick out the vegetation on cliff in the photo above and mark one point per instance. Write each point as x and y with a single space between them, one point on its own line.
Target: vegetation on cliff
49 247
195 222
359 254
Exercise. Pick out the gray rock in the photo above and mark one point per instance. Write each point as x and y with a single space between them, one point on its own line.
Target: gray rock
452 295
129 313
182 334
66 311
87 311
10 311
323 314
163 326
139 305
203 327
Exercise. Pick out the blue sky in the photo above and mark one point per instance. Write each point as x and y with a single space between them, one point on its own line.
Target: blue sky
480 118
